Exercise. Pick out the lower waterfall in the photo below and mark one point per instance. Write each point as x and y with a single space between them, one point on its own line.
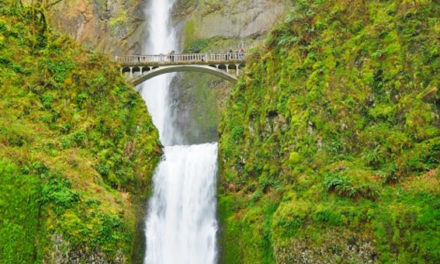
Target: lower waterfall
181 223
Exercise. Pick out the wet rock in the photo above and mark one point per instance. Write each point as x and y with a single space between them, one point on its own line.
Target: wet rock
63 253
336 247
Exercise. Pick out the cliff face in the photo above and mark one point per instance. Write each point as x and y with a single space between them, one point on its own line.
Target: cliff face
216 26
109 26
118 26
330 142
206 19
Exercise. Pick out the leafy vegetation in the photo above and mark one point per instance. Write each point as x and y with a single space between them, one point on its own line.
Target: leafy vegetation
329 144
77 147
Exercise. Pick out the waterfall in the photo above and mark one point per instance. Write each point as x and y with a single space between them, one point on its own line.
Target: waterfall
181 223
161 40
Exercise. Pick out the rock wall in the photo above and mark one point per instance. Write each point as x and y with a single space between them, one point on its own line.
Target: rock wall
228 19
118 26
216 26
109 26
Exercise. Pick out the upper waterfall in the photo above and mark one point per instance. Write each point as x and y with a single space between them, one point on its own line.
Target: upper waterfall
161 40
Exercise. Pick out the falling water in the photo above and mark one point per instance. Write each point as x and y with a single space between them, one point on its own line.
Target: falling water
161 40
181 224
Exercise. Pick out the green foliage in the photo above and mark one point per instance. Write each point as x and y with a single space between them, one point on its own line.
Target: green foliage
412 226
196 46
189 31
65 114
19 214
57 192
336 120
340 185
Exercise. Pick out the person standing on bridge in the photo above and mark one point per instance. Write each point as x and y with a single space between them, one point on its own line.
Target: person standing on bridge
172 55
241 54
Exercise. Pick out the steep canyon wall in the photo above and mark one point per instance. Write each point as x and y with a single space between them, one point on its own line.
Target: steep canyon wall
109 26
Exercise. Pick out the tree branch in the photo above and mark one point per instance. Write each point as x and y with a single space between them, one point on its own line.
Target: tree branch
49 5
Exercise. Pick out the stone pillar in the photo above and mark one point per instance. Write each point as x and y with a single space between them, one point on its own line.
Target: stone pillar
141 67
151 68
227 68
216 66
237 69
122 70
131 72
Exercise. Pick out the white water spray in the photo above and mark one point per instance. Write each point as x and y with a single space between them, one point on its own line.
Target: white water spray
181 224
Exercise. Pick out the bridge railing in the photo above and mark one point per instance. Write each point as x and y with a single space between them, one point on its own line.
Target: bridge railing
182 58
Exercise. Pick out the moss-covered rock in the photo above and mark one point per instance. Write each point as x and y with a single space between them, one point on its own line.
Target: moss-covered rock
329 144
77 148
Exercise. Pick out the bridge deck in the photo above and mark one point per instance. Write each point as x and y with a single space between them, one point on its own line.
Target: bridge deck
180 59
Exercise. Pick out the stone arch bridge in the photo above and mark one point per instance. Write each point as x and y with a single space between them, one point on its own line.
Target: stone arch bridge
139 68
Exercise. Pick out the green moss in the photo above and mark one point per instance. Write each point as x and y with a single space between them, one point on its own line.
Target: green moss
189 31
336 121
77 147
19 207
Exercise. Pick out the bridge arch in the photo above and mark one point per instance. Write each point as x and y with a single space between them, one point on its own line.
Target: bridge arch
136 80
144 67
